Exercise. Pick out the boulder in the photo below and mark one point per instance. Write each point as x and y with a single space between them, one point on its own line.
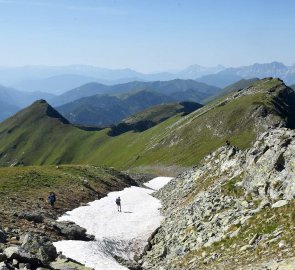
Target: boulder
21 255
73 231
36 251
36 217
41 247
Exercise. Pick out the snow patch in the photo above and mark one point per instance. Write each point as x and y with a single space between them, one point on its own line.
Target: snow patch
116 233
158 182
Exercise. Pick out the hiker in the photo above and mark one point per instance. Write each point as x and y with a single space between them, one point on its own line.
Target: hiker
52 199
118 203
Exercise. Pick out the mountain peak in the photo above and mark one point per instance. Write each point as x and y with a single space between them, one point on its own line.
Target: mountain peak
39 110
41 101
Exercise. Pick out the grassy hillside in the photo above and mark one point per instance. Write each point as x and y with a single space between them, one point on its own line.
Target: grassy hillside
35 137
72 184
163 111
241 84
152 116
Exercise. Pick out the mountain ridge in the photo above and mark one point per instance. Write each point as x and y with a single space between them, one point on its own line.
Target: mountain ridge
239 118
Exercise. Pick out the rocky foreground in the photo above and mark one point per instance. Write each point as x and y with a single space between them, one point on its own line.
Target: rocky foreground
234 211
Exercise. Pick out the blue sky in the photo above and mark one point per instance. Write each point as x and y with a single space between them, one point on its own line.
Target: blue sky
146 35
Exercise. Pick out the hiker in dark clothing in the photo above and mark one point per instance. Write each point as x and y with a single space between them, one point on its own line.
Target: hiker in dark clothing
118 203
52 199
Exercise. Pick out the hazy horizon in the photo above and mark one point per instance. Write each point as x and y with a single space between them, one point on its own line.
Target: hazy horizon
128 68
146 36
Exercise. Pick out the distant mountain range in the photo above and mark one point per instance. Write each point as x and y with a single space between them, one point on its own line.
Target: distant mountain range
98 104
59 79
55 85
206 83
180 90
89 105
12 100
231 75
7 110
105 110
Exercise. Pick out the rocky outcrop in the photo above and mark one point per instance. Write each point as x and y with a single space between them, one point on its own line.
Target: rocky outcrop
35 216
35 252
72 231
215 204
31 252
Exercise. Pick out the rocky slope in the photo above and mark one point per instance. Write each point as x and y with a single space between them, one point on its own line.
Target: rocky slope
233 211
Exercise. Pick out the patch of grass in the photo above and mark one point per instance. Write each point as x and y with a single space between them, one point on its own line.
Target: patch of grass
42 179
230 188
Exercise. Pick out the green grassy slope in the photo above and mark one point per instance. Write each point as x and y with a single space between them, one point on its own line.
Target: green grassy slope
32 137
25 189
152 116
241 84
163 111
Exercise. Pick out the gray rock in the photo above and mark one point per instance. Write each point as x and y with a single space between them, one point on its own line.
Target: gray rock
41 247
279 204
36 217
18 253
72 231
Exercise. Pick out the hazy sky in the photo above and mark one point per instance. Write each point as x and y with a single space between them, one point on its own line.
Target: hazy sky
146 35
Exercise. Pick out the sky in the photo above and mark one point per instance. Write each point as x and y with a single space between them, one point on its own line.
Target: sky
146 35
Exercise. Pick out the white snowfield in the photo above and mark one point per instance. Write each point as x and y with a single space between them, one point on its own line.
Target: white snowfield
158 182
116 233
